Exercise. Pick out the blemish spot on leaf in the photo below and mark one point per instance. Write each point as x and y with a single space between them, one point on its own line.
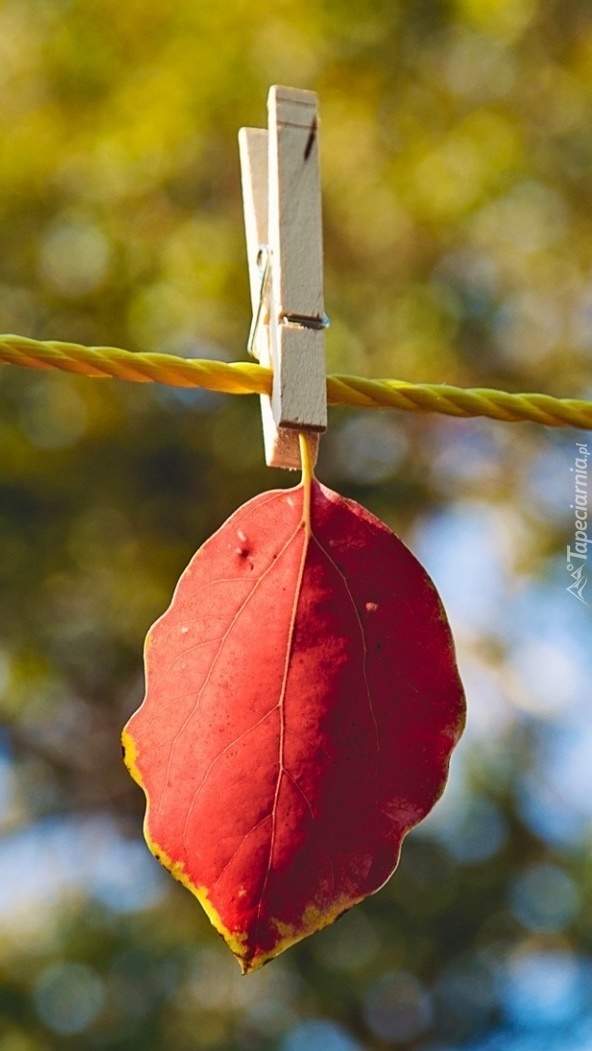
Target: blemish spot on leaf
371 607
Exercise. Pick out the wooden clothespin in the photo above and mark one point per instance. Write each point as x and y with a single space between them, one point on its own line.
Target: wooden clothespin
282 206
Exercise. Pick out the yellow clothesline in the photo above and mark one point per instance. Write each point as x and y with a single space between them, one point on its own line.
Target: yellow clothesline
244 377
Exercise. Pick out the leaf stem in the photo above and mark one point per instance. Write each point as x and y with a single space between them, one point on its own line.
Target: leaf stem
306 458
307 477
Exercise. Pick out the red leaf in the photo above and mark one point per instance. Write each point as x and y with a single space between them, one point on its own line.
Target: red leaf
302 702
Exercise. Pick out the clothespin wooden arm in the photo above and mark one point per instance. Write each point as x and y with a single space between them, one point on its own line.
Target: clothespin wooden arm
283 223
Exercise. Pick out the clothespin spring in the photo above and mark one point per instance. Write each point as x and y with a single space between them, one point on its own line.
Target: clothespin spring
303 320
264 268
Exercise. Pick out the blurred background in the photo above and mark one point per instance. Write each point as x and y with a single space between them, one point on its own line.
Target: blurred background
457 176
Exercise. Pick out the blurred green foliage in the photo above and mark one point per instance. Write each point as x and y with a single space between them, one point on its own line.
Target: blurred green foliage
456 165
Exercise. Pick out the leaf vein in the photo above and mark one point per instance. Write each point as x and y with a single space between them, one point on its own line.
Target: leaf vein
358 617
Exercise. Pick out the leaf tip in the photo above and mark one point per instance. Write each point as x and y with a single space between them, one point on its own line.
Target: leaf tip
236 941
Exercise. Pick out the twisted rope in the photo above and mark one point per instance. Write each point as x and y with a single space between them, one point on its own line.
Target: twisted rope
243 377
